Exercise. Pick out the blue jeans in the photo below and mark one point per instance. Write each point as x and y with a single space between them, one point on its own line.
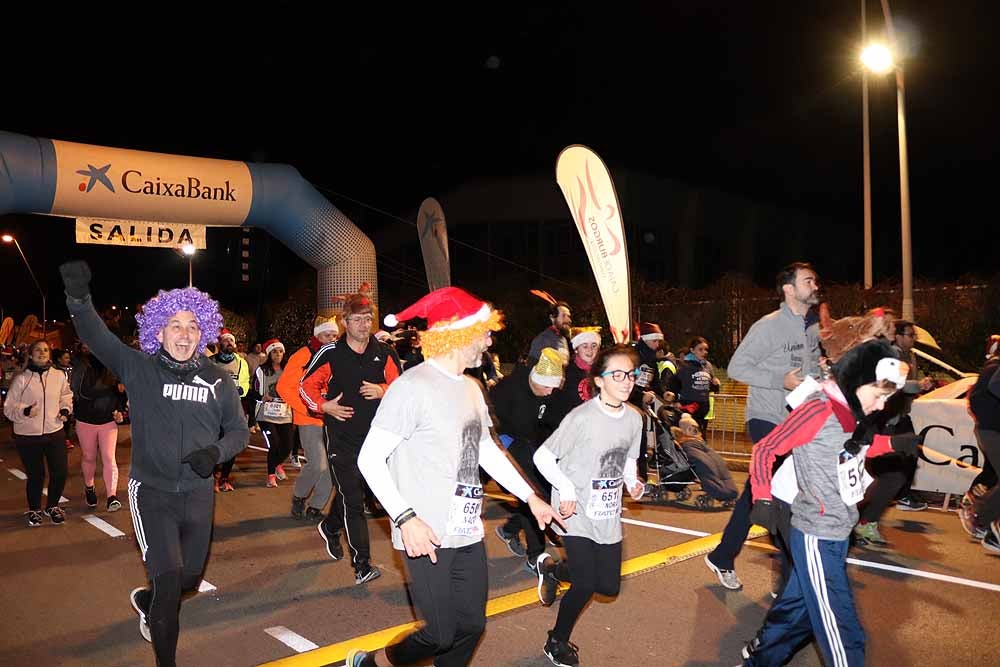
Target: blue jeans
816 602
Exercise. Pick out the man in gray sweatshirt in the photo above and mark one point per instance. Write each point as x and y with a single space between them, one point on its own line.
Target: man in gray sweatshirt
775 356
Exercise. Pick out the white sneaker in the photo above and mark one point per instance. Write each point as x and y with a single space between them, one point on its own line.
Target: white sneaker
727 578
143 623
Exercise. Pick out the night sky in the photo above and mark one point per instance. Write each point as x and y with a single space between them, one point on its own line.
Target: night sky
760 99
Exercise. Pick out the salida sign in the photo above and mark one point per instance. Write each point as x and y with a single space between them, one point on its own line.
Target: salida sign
135 233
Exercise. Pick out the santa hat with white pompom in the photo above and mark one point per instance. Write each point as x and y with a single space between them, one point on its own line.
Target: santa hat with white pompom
454 317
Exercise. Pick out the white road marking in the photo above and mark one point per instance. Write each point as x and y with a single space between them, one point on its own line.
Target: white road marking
102 525
259 449
17 473
853 561
669 529
294 641
928 575
205 587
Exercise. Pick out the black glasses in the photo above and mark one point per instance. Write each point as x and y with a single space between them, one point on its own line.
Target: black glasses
622 376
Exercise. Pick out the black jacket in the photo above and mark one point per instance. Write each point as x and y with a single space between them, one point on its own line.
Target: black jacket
95 395
172 414
984 399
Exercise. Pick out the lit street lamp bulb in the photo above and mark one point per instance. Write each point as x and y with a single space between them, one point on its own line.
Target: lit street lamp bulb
187 249
877 58
6 238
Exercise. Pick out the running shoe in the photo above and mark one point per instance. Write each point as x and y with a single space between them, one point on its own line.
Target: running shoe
970 522
512 542
750 648
548 585
333 546
358 658
56 515
139 598
114 504
91 494
298 507
294 461
279 472
911 504
272 482
366 573
727 578
560 653
34 518
991 541
225 486
313 514
867 533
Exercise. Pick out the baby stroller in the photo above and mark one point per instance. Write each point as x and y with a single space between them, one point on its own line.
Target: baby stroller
673 470
691 461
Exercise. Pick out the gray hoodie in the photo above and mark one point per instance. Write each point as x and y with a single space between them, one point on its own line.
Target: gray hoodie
775 344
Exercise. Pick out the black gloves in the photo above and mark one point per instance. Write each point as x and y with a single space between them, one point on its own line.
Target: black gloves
203 460
907 443
76 278
863 435
762 514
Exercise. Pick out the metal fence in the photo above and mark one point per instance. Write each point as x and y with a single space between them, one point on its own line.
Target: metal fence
727 431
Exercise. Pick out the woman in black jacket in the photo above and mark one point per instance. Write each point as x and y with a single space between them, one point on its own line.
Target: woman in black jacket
99 408
694 380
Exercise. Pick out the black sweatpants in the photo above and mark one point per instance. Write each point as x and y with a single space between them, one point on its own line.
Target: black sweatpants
736 531
450 598
279 443
591 568
173 530
521 518
35 452
347 512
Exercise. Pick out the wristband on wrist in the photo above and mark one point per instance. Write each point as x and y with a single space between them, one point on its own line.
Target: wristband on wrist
404 517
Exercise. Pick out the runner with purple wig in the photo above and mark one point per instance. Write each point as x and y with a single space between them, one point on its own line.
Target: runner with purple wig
186 417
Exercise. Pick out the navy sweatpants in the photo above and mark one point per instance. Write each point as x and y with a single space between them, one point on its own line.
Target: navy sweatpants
817 602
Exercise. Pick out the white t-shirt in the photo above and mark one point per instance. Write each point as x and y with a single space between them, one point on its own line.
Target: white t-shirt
443 421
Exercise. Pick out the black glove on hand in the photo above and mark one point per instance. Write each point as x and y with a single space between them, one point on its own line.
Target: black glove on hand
203 460
863 435
762 514
76 278
907 443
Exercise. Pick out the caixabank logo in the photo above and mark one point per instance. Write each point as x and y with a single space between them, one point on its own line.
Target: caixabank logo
134 182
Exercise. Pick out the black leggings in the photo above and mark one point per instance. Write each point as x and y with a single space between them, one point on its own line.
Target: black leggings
591 568
279 443
450 598
987 505
893 475
521 518
35 451
173 531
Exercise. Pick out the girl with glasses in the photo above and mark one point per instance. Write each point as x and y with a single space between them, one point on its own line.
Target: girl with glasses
589 460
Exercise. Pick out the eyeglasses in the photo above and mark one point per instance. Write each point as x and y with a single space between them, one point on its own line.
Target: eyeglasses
622 376
367 319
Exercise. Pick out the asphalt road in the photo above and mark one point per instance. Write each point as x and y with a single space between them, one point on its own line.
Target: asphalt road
64 589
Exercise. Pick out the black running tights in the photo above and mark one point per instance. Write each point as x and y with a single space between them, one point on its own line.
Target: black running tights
591 568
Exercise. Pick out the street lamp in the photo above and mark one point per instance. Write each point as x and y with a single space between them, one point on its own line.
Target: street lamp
879 59
7 238
188 249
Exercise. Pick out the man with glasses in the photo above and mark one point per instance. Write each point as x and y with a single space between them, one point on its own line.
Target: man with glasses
345 382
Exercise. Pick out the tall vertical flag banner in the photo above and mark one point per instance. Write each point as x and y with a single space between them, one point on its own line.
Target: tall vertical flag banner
434 244
590 194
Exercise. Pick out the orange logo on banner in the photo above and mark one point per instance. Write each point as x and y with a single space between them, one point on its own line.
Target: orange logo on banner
101 182
590 195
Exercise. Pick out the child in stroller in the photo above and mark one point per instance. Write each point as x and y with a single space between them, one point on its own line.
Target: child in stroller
683 459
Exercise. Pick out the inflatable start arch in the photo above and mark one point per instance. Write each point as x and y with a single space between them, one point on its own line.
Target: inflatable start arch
69 179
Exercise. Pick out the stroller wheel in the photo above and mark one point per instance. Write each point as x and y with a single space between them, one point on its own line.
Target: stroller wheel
684 494
704 502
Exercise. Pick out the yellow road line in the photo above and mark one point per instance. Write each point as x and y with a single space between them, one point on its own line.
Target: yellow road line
335 653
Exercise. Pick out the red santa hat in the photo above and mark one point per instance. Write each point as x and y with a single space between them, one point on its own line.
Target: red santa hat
650 331
226 333
454 319
272 344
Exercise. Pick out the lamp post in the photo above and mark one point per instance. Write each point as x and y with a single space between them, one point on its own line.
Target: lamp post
7 238
866 151
188 249
879 59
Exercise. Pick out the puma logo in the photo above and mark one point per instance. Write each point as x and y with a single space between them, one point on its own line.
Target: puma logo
211 387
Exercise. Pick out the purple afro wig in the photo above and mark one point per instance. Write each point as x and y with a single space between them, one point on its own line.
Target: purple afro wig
158 311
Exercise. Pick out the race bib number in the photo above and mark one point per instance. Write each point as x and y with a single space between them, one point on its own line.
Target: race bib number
464 514
275 409
852 477
605 498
